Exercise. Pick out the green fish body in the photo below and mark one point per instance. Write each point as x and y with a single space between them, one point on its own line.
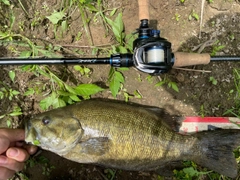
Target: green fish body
130 137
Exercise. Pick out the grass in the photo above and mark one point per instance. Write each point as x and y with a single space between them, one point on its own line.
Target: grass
235 110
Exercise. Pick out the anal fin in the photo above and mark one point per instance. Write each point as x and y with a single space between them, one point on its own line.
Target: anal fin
167 169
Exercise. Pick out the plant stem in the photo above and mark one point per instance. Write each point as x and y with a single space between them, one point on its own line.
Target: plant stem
85 24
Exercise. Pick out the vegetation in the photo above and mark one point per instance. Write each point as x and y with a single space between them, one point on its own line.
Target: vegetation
55 87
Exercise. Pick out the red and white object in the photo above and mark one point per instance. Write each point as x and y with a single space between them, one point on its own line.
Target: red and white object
196 124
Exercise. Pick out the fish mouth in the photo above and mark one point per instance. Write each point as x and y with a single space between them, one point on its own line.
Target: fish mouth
30 132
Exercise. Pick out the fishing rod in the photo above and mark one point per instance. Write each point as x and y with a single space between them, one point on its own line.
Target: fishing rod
152 54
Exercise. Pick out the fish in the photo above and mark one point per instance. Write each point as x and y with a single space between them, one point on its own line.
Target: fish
129 136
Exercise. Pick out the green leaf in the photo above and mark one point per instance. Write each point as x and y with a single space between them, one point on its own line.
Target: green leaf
2 116
114 87
119 22
12 19
174 86
36 142
30 91
47 102
113 12
119 77
77 68
116 78
75 98
55 17
191 171
70 89
6 2
11 75
117 27
9 123
213 80
90 7
123 69
87 89
160 83
25 54
64 25
137 94
17 113
127 96
64 93
14 92
58 102
121 49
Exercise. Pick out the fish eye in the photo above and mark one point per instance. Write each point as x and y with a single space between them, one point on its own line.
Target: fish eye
46 120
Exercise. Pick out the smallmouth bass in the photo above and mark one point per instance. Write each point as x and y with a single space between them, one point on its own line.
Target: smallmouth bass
129 137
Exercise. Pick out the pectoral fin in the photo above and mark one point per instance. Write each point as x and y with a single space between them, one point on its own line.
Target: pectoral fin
95 146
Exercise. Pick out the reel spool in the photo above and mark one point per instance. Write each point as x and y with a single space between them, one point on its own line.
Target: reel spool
152 54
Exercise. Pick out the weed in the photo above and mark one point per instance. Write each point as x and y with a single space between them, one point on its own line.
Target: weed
202 111
40 160
235 110
170 83
10 94
149 79
110 174
58 18
210 1
128 96
6 2
216 48
190 172
213 80
115 79
177 17
61 93
193 15
82 70
231 36
20 175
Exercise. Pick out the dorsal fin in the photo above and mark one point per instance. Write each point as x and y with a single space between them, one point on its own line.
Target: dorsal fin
172 121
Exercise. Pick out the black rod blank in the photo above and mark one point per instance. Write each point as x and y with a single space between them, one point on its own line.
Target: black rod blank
38 61
225 58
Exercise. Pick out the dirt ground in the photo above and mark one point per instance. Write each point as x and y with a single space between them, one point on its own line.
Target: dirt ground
196 96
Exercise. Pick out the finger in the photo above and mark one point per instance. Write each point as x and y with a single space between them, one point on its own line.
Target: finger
11 164
13 134
4 144
30 149
6 173
18 154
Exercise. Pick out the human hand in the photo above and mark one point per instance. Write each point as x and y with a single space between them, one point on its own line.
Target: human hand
13 152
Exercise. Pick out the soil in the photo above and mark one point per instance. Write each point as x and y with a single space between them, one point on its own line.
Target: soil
196 96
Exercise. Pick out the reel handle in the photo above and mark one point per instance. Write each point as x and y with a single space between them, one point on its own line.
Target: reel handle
143 6
189 59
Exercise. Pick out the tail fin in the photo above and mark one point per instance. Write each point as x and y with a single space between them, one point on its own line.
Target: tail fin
216 151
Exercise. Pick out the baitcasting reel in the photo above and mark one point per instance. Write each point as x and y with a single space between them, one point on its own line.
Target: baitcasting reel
152 54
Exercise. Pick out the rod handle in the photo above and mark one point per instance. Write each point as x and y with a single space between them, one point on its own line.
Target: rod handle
143 9
189 59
